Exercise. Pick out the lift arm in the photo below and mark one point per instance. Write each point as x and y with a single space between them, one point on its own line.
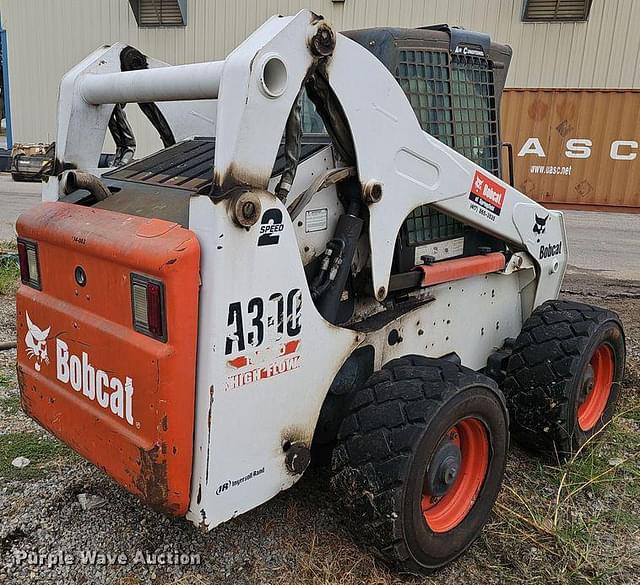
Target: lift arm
400 167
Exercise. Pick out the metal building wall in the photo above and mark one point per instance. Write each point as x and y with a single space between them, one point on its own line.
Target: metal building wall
47 37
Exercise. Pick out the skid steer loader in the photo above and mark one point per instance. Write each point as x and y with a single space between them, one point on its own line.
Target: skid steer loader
323 260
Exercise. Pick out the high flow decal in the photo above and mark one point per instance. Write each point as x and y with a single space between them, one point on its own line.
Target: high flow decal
261 337
263 364
270 227
36 342
109 392
486 196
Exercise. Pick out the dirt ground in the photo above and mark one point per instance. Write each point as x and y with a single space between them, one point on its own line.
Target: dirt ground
573 524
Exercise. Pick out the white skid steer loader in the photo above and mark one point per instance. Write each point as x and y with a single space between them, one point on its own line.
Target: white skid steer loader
322 262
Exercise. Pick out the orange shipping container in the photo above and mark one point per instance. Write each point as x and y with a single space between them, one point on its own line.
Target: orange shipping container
575 148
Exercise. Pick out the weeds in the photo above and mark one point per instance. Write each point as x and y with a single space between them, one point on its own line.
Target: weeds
39 449
594 496
9 270
8 246
9 273
9 405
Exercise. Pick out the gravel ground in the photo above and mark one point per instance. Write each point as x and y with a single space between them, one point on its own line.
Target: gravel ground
298 537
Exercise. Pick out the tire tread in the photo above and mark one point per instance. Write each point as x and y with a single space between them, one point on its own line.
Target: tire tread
545 359
371 463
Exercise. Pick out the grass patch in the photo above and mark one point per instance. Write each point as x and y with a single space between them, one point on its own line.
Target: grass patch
9 274
10 405
40 449
570 513
6 380
8 246
9 269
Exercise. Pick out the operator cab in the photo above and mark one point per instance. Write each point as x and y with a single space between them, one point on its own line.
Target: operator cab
454 80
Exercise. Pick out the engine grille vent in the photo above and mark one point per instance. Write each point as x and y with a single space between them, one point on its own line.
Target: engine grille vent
188 164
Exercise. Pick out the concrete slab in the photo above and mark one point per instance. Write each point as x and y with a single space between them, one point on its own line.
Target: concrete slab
607 243
14 199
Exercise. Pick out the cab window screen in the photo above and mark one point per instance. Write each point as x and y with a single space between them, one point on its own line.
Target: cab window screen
425 224
453 98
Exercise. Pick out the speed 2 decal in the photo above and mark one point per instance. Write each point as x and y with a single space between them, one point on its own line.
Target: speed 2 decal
263 337
270 227
486 196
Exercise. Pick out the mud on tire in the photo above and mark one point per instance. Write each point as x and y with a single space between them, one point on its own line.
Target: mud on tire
547 382
394 433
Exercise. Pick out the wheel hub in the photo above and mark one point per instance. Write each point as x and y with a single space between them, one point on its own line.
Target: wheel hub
587 381
455 475
443 470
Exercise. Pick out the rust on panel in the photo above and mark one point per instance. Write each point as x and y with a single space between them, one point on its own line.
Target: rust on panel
575 148
122 399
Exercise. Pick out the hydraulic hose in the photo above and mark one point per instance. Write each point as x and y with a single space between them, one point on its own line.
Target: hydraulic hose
74 180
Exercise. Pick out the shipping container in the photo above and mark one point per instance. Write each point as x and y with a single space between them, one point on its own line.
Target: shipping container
575 148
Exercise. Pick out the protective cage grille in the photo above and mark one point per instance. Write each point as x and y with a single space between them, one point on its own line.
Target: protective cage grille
425 224
454 100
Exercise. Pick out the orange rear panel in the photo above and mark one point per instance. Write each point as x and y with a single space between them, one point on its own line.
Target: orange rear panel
120 398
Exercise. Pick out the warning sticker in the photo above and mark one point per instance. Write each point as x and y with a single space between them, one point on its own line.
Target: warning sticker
316 220
440 250
486 194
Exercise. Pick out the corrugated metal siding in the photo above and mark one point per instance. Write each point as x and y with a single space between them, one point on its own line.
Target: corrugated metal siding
555 117
47 37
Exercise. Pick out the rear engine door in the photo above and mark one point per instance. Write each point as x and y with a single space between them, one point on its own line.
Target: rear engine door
107 327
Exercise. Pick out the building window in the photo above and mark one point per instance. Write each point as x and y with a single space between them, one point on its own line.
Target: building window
556 10
160 12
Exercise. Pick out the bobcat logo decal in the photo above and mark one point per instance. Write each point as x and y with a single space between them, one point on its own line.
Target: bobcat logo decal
36 341
540 226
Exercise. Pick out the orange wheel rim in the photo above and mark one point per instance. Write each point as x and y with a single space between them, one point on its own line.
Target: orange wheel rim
444 512
596 385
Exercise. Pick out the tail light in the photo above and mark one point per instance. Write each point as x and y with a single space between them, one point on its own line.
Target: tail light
29 264
147 302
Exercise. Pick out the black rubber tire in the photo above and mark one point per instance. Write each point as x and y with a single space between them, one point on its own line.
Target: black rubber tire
396 422
545 370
